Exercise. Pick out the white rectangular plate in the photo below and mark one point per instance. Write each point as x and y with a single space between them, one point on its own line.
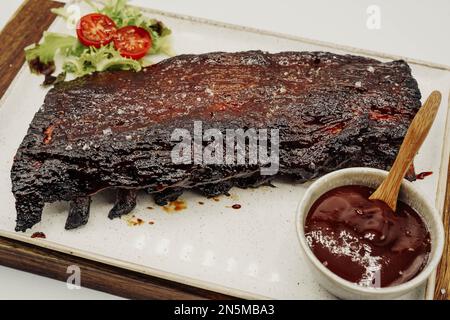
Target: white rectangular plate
252 252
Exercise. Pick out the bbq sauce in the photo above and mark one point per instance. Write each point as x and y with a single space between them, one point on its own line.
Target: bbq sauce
423 175
364 241
38 235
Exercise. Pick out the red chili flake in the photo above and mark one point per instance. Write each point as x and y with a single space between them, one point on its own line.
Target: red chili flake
422 175
48 134
380 116
38 235
335 129
236 206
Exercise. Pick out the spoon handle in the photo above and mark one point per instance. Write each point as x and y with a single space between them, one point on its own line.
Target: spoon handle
416 134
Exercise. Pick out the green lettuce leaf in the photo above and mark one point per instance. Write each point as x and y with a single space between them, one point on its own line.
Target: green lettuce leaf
101 59
80 60
51 44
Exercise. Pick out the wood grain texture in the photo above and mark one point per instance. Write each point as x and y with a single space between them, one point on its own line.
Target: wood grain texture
442 288
415 136
442 281
25 27
95 275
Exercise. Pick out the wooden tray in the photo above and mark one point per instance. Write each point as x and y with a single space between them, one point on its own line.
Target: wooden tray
15 36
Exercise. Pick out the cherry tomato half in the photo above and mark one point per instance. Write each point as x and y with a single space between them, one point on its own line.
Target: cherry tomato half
96 30
132 42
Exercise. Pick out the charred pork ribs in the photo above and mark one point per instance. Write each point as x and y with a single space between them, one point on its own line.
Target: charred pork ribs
113 129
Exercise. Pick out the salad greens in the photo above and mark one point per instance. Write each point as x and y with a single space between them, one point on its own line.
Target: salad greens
92 59
80 60
52 43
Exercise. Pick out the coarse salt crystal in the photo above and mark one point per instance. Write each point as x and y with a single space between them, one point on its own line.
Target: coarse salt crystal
371 69
107 131
358 84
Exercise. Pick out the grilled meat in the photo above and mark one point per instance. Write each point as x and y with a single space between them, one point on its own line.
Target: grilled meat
113 129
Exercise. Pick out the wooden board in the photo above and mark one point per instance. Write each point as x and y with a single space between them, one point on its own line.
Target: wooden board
24 28
442 287
96 275
15 36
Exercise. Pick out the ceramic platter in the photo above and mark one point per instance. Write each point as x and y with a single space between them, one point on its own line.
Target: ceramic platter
252 252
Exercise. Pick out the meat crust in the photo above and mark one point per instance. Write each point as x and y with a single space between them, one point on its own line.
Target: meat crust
113 129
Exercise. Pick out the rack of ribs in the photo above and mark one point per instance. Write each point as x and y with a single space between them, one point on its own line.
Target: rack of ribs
112 130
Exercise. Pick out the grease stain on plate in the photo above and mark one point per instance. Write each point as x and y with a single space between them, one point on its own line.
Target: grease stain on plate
173 206
133 221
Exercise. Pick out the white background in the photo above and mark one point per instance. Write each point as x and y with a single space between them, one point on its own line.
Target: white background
416 29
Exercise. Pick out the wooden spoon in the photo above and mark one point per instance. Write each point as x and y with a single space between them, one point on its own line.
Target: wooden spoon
416 134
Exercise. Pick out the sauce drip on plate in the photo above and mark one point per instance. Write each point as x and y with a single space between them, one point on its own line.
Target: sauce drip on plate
423 175
364 241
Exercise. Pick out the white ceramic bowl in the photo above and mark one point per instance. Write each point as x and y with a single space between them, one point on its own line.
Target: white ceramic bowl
372 178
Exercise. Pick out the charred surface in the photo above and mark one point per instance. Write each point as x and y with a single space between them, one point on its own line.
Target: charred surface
78 212
215 189
113 129
125 203
167 195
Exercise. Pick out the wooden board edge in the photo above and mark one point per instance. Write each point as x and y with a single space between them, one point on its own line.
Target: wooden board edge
442 281
96 275
24 28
